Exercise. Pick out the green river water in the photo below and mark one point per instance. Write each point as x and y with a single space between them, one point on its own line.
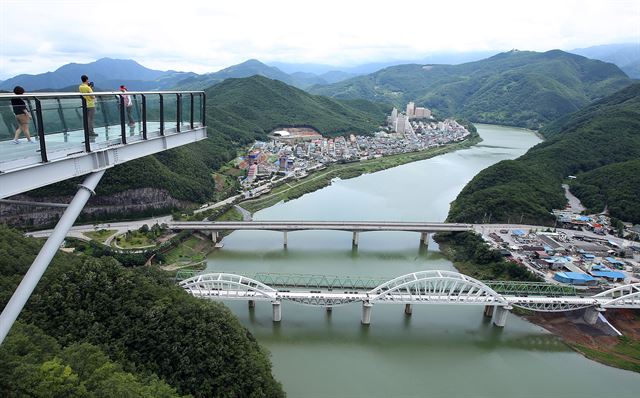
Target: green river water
439 351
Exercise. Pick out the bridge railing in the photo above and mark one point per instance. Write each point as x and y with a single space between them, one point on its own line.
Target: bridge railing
59 123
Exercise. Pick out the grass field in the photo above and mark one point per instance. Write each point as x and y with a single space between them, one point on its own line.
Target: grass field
134 240
100 235
192 250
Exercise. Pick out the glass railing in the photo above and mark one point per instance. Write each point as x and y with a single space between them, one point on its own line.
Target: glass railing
64 124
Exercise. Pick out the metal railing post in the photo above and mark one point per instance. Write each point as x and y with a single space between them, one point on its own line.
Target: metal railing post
161 114
178 111
103 110
85 125
191 110
144 117
123 129
65 129
204 108
40 127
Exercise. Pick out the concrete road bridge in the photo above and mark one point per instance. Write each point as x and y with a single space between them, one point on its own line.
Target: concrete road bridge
423 287
355 227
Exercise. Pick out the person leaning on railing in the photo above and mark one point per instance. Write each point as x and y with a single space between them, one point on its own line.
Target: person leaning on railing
85 88
22 115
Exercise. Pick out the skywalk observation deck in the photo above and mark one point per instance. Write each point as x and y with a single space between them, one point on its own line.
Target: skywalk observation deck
64 146
66 143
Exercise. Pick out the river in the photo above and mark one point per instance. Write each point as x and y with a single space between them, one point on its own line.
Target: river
439 350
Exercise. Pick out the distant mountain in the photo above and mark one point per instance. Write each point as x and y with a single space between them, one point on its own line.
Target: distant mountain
335 76
599 144
239 111
107 73
625 55
303 80
520 88
251 67
362 69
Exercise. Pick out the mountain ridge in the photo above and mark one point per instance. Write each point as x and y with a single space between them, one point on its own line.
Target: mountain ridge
520 88
585 144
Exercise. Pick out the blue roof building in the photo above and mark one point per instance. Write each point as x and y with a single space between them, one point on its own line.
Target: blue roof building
611 275
575 278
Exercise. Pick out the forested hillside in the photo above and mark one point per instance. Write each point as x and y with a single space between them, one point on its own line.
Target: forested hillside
519 88
600 144
239 111
93 328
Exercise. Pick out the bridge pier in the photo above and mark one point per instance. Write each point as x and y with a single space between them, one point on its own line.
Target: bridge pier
277 311
252 304
591 315
354 240
424 239
215 236
329 308
285 238
408 309
366 312
500 317
488 310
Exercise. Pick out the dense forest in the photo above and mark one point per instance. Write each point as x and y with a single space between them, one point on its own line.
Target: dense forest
239 111
517 88
97 329
615 187
599 144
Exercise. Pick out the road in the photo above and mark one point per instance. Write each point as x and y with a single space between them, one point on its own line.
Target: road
574 203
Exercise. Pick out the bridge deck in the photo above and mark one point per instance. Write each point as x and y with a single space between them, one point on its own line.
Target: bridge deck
351 226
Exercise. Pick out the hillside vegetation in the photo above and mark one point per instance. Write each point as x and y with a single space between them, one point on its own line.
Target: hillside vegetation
519 88
600 144
93 328
239 111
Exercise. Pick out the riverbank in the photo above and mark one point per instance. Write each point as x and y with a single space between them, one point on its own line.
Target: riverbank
321 179
471 256
621 352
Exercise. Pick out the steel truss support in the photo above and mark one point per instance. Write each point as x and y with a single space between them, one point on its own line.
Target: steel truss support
50 248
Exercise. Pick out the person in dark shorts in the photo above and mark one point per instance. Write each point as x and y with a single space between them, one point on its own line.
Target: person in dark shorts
22 115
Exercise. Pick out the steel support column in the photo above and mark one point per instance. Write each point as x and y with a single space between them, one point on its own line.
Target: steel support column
50 248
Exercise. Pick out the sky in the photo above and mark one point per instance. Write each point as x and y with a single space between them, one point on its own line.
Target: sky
206 36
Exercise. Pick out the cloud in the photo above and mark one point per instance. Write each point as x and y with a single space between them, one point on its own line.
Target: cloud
204 37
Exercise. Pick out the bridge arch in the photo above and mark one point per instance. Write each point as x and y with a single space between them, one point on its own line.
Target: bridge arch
228 286
626 296
436 286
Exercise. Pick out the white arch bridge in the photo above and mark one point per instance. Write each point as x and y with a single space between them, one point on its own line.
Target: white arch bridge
423 287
